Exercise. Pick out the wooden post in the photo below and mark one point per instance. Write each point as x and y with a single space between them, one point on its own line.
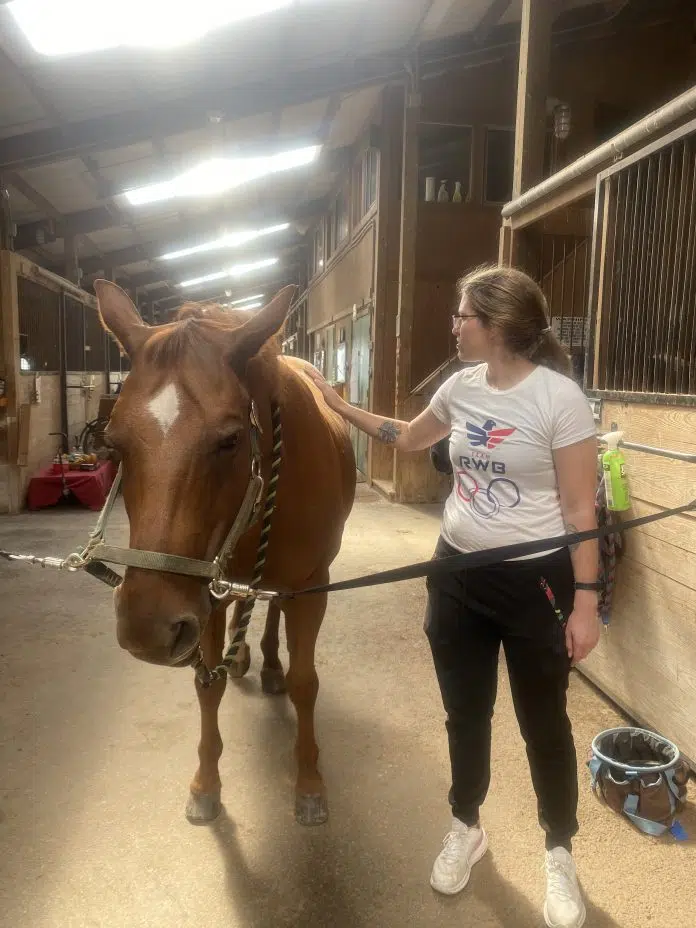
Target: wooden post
72 271
9 322
6 240
532 91
407 266
505 246
407 258
518 247
383 386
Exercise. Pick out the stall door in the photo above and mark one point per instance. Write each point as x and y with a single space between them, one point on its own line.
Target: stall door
360 382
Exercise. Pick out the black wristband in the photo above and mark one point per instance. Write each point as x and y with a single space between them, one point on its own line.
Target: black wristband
595 587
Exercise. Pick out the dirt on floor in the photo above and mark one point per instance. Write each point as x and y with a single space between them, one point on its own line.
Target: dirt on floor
97 751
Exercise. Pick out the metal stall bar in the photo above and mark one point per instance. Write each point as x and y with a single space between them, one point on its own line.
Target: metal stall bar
651 449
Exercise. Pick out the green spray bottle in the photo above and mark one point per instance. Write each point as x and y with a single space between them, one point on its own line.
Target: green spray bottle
614 468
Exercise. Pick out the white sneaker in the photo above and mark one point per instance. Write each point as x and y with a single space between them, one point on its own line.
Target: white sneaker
564 907
463 847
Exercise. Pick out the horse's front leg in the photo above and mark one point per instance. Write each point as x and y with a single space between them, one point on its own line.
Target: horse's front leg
303 618
272 676
204 801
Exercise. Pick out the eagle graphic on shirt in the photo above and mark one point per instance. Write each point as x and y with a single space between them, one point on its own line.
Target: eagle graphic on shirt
487 435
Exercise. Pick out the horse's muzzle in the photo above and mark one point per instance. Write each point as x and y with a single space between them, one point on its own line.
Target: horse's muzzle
167 642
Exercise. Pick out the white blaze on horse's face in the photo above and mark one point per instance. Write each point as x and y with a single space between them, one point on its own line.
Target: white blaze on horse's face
165 407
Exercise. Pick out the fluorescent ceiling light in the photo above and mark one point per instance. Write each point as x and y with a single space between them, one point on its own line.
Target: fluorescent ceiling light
73 27
221 174
246 305
256 296
234 240
238 270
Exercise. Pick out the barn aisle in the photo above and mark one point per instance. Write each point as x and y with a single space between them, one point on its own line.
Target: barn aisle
97 751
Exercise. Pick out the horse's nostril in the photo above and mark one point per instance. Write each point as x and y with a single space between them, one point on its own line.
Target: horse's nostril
185 635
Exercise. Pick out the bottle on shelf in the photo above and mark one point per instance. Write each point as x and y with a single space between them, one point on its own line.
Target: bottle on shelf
442 194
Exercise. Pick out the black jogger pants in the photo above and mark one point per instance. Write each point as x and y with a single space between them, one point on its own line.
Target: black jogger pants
470 613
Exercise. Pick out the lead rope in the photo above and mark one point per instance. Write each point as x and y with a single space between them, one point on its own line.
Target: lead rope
234 656
609 549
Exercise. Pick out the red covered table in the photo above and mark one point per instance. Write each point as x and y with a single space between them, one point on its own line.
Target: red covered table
90 487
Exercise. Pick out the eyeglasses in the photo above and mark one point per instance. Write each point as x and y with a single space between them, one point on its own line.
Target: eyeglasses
458 319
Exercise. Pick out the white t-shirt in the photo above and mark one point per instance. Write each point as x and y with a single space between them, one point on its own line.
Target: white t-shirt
501 444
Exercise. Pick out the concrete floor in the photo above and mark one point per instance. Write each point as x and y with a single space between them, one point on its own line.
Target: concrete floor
97 752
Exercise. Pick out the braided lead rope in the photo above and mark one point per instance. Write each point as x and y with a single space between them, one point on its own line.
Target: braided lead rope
607 555
235 651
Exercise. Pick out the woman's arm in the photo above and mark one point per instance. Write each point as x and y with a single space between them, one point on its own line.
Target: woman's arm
417 435
576 472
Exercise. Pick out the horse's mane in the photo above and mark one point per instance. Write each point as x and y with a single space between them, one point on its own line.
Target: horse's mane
197 333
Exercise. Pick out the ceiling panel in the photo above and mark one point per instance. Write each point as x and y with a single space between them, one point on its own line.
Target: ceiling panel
303 120
352 116
113 238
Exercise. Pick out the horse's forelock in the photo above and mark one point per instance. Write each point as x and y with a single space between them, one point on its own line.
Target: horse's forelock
198 332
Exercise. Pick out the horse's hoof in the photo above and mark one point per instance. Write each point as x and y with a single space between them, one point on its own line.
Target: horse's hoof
238 668
203 808
311 809
272 681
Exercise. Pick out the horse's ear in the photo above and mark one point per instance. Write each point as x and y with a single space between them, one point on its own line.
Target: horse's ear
119 316
250 337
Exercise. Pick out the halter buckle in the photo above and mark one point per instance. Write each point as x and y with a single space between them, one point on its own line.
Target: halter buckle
226 589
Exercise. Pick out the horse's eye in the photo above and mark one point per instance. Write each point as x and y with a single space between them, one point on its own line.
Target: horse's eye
229 442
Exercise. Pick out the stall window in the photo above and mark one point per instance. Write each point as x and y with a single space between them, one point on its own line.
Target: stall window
365 182
444 155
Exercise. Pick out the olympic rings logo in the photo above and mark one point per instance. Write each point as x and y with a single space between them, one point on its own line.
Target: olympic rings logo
501 493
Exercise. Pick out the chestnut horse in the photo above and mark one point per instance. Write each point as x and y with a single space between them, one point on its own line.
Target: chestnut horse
182 427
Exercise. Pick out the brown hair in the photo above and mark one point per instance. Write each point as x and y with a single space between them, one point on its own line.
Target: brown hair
510 302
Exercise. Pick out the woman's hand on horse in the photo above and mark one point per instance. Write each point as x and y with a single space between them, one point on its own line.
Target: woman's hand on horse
333 400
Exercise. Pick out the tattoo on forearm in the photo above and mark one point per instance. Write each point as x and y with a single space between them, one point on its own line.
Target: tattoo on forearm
572 530
388 432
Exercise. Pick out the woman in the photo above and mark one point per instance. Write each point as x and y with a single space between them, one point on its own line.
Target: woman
523 450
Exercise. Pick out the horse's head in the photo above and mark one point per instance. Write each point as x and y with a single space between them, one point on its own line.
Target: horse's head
182 427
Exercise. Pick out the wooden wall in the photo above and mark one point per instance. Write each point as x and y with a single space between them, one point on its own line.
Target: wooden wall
415 478
452 238
646 662
348 279
44 416
620 78
25 424
9 363
475 96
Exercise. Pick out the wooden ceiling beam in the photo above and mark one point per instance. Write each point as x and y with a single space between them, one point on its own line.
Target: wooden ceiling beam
490 20
30 234
191 113
117 130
